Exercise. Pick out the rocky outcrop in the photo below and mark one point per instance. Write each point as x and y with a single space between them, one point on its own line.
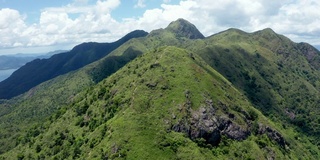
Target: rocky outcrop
203 123
209 124
272 134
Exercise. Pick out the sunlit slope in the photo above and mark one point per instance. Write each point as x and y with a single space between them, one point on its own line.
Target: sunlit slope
165 104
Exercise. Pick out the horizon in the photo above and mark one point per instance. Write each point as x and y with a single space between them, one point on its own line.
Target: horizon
41 26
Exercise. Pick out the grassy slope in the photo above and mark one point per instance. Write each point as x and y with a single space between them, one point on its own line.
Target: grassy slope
268 68
129 116
23 112
246 60
37 104
272 72
27 110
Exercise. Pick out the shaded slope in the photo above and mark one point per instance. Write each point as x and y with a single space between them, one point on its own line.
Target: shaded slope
38 71
311 53
166 104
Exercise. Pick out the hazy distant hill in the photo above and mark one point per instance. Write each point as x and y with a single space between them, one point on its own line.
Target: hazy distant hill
40 70
12 62
175 94
17 60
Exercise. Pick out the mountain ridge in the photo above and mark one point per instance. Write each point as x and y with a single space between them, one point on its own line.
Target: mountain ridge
38 71
207 100
135 96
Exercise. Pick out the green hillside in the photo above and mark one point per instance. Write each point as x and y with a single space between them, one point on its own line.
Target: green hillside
175 94
273 72
167 104
41 70
27 110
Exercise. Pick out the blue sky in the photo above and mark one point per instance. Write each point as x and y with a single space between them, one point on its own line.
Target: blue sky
38 26
33 8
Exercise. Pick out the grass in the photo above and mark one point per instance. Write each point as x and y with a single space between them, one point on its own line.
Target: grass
142 115
130 114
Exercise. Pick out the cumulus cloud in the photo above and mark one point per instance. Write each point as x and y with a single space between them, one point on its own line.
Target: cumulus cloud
79 22
298 19
11 26
56 26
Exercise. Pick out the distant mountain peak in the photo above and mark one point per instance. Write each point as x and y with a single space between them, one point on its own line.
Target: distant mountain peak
184 28
266 31
271 36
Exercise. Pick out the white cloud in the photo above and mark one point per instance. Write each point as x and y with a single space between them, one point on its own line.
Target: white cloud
79 22
140 4
302 17
294 18
57 27
11 26
161 17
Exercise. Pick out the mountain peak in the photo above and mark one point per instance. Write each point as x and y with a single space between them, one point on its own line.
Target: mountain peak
270 36
266 31
183 28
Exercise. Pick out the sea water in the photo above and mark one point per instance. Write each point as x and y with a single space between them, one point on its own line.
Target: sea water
4 74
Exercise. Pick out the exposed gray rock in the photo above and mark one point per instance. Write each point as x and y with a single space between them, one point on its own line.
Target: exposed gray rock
234 131
272 134
205 124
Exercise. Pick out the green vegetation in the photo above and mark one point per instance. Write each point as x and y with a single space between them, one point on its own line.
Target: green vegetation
174 95
272 72
41 70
